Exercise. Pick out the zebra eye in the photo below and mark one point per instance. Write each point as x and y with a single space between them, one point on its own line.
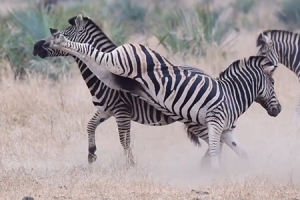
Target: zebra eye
272 81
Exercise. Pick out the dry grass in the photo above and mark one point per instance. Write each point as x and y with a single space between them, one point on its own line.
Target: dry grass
43 145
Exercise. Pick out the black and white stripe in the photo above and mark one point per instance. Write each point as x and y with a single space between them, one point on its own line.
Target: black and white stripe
109 102
281 46
190 96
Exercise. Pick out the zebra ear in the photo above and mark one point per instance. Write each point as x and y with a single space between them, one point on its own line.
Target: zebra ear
270 69
273 70
79 21
266 39
71 21
53 30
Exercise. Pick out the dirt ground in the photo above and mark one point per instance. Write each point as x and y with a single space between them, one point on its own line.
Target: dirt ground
43 145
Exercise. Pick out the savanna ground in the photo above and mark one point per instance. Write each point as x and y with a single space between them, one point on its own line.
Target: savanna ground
43 144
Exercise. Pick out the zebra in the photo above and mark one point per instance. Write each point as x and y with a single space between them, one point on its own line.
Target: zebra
139 110
122 105
184 94
281 47
107 100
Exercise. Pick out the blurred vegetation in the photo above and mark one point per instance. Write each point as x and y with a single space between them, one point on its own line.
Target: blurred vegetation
289 13
187 30
242 9
193 31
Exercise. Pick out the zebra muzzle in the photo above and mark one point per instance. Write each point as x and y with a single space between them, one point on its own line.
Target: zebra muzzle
274 111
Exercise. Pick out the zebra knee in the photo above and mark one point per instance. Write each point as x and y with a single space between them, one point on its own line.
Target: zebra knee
92 149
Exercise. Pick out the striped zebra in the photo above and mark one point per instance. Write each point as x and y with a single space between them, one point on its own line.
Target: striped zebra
109 102
184 94
281 46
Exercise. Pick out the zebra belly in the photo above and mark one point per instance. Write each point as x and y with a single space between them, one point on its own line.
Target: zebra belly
190 101
144 113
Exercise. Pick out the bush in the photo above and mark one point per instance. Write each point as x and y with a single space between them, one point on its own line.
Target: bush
244 6
25 28
289 14
127 12
192 31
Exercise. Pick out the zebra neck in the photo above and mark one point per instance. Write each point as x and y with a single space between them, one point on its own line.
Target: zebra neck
97 38
89 78
92 57
240 93
289 56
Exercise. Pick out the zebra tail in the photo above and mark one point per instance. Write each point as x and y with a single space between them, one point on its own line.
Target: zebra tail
193 138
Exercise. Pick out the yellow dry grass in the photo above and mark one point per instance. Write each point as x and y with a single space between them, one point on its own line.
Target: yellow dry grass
43 145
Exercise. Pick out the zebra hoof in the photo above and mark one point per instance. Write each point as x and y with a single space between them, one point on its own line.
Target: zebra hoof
92 158
129 163
132 163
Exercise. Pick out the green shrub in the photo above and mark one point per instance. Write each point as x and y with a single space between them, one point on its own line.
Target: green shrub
244 15
243 6
26 27
192 31
4 32
23 27
127 12
289 13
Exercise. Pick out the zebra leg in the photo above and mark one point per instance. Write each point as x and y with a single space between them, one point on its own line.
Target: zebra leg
123 120
221 150
194 131
94 122
232 142
214 136
205 159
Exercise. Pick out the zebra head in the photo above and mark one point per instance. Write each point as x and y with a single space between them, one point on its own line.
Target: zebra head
266 96
75 33
267 48
58 41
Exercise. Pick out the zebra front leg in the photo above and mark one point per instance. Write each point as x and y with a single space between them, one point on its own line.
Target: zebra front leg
94 122
232 142
123 120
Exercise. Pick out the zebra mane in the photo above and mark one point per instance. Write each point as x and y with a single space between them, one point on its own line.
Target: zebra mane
242 63
124 82
275 35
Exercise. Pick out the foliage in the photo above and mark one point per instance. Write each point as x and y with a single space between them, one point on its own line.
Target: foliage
192 31
289 14
26 27
180 29
4 32
127 12
244 6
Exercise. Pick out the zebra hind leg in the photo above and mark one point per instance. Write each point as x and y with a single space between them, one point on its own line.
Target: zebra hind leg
214 137
123 120
205 158
94 122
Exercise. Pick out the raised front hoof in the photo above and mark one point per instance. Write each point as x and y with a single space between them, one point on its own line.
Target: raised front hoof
92 158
